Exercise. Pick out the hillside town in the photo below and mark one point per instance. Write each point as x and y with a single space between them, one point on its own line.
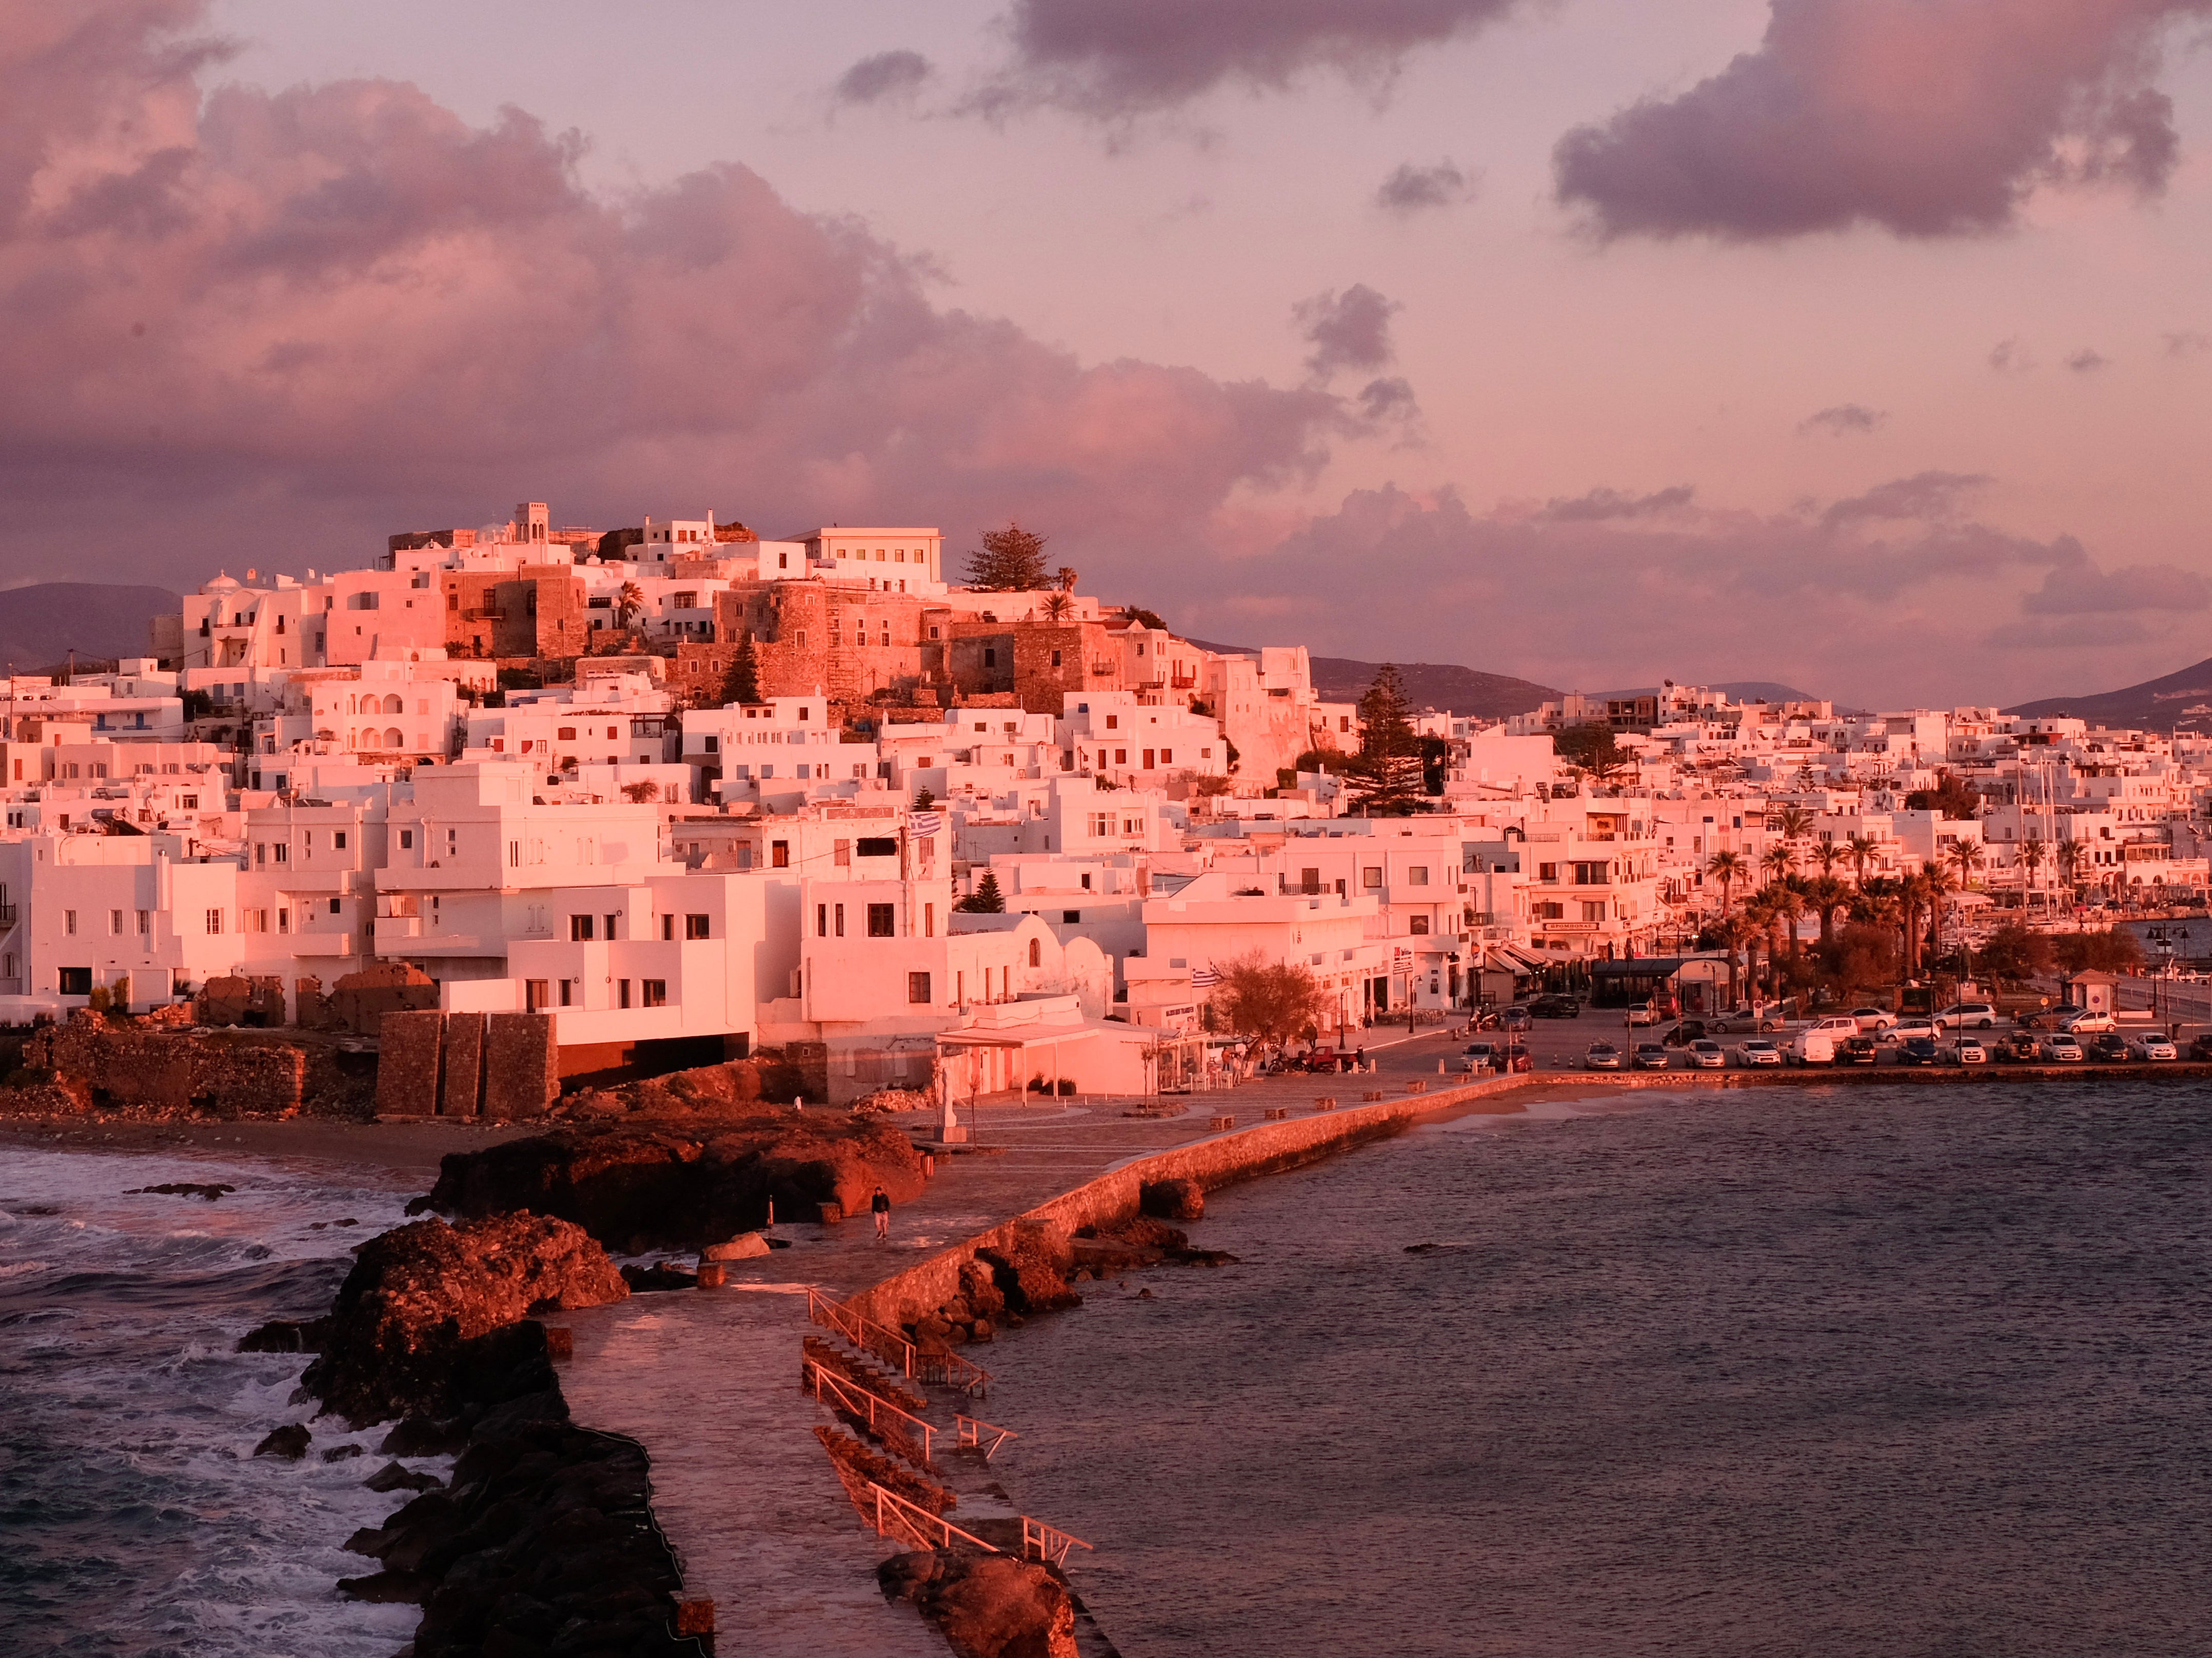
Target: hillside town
679 793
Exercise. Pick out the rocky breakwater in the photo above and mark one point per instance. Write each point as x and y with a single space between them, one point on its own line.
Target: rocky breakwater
543 1541
636 1189
1036 1267
988 1605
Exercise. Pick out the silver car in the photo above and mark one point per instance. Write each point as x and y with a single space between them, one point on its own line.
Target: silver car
1756 1051
1706 1055
2151 1046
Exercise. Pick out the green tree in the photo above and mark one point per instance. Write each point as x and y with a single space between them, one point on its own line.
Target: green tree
2013 954
1010 561
2113 951
1950 795
742 683
1592 748
1274 1001
986 899
1388 775
1862 956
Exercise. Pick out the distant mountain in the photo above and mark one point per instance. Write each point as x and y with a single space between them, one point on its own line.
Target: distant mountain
1428 685
2154 705
40 625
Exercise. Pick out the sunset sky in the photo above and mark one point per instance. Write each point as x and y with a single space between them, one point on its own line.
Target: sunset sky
1862 344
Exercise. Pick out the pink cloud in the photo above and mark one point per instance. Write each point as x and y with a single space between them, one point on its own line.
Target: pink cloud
1928 118
344 307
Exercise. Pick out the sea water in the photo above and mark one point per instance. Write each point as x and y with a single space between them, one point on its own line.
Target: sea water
134 1517
1875 1370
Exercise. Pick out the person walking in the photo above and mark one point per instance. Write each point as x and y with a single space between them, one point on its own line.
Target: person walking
881 1204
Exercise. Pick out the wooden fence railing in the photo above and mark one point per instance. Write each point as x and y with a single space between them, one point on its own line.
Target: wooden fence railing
1050 1542
947 1369
896 1517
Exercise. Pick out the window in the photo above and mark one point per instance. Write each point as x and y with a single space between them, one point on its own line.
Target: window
652 993
917 989
883 919
1593 874
1417 875
1113 722
1593 912
929 920
1056 658
579 928
694 926
514 854
334 906
990 657
68 923
1547 911
840 852
1309 880
115 923
1417 924
337 840
622 993
838 911
534 997
1037 953
1547 871
779 854
146 921
566 984
280 853
283 920
821 920
878 845
214 920
1370 878
75 982
407 840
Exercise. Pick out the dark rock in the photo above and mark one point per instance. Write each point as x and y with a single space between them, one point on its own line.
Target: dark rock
386 1587
661 1275
1173 1199
987 1605
183 1189
1031 1272
285 1335
429 1315
417 1435
290 1441
340 1453
644 1188
391 1476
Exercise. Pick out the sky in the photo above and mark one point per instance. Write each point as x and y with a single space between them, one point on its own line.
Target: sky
1864 345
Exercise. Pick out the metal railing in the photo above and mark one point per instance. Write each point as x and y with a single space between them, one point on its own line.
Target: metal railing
829 1386
946 1369
895 1516
1049 1541
973 1430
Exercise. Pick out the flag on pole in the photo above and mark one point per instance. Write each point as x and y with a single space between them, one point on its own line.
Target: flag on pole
1204 978
923 824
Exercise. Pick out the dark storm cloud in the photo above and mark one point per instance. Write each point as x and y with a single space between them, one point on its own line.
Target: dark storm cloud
885 74
1411 189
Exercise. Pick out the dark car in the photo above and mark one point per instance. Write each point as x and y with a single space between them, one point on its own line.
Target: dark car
1514 1018
2111 1048
2018 1049
1650 1056
1683 1035
1555 1008
1858 1050
2200 1048
1916 1050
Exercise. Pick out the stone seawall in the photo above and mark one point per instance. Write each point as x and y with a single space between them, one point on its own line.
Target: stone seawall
1219 1160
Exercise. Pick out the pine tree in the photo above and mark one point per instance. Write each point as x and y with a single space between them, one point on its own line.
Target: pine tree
1388 773
743 682
986 899
1010 561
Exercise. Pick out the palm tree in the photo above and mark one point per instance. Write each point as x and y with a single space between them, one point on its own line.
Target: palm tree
1728 868
1825 895
1862 849
1057 607
1064 576
2071 854
1936 881
1966 858
630 599
1777 860
1792 823
1827 854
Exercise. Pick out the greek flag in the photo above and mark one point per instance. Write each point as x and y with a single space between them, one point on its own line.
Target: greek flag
1204 978
926 823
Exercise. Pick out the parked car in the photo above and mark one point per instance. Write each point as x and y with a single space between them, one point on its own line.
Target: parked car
1601 1056
1643 1013
1482 1056
1326 1061
2108 1048
1757 1051
1966 1015
1706 1055
1876 1019
1650 1056
2200 1047
1514 1018
1858 1050
2018 1049
1686 1033
1906 1029
1555 1008
2087 1024
2151 1045
2062 1048
1967 1050
1918 1050
1817 1042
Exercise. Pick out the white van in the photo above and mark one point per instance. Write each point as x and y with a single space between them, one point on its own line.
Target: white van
1817 1042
